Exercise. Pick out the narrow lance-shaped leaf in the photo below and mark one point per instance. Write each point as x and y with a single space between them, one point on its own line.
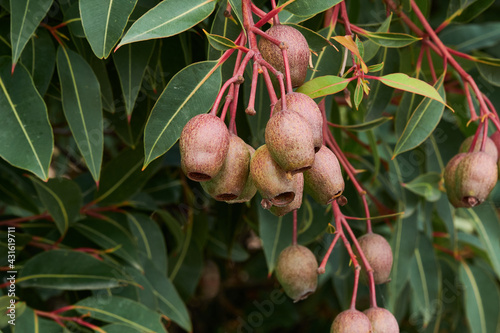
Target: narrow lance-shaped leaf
403 244
81 99
220 43
39 58
485 220
192 91
424 278
25 131
323 85
423 120
392 39
62 198
109 233
149 238
307 7
122 177
131 62
426 185
26 15
104 22
481 298
74 271
168 18
115 309
416 86
169 301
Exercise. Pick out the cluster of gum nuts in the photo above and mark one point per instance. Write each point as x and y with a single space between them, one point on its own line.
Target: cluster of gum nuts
472 174
292 160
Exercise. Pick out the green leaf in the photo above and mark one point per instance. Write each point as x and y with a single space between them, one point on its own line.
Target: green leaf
445 212
425 278
358 94
472 10
404 82
190 92
236 9
25 131
371 48
174 229
489 72
122 177
376 68
168 18
74 271
26 15
275 233
403 244
169 301
469 37
81 98
487 224
131 62
307 7
220 43
111 233
481 298
141 291
101 72
422 122
149 238
29 322
39 58
323 86
120 328
62 198
426 185
392 39
115 309
104 22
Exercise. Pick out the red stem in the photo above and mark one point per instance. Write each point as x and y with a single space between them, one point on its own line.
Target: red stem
431 65
369 269
321 268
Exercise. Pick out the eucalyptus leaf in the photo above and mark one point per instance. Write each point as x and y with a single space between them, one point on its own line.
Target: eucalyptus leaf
190 92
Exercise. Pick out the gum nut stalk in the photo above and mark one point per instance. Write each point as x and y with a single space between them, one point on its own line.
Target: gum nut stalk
324 180
229 183
298 180
272 182
308 109
203 145
290 142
